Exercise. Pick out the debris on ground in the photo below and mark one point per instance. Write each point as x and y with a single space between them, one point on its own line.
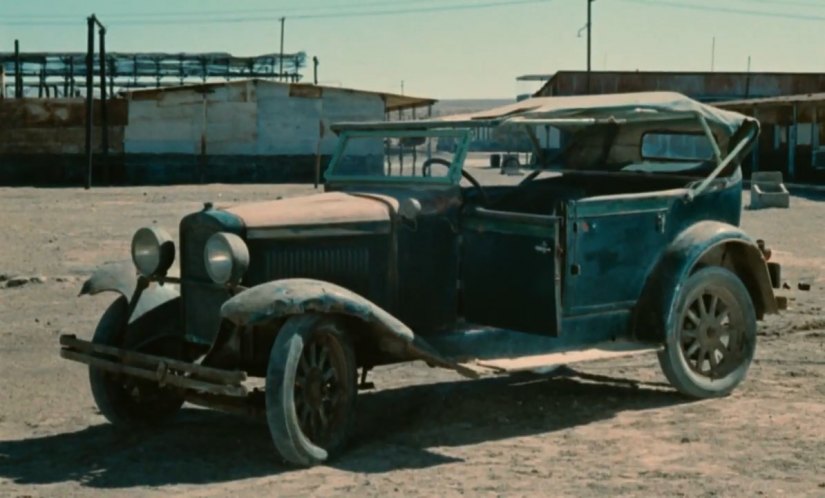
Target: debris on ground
20 281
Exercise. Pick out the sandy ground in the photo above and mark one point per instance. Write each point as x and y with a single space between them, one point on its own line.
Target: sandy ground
422 432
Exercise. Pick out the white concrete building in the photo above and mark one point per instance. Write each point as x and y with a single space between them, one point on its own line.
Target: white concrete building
247 130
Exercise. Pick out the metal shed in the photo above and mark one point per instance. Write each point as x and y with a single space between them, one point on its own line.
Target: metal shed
702 86
792 134
252 130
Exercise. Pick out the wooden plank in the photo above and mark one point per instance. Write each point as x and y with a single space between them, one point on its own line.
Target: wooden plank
601 351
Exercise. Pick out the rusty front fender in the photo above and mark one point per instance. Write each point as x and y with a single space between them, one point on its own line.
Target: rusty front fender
708 243
121 277
283 298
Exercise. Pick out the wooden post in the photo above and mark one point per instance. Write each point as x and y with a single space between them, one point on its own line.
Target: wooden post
755 153
90 48
814 135
18 78
589 30
318 152
792 131
281 57
104 121
71 77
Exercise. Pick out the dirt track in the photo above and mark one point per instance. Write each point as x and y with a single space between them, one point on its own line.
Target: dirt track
423 432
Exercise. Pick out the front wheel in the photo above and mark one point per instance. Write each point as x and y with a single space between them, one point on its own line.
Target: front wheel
712 336
125 401
311 385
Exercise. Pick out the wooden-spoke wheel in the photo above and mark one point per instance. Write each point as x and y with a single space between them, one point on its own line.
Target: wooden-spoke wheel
126 401
311 387
321 388
713 335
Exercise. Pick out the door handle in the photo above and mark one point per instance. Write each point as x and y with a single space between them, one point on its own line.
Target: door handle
543 248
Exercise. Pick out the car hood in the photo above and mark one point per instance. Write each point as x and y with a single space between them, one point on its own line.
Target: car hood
330 208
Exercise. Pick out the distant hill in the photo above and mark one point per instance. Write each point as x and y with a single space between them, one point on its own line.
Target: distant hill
463 106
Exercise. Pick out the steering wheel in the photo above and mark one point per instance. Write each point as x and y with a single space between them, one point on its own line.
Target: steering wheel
427 166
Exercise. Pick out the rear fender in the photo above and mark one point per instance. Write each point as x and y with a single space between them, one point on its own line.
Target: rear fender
708 243
283 298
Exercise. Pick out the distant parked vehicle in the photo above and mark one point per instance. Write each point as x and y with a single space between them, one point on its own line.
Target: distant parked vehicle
624 241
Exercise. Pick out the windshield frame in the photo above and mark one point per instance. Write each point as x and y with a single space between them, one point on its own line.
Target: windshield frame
453 177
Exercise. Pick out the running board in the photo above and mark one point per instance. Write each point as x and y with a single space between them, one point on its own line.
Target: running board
600 351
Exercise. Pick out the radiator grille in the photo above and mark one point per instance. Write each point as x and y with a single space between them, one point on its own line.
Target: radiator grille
202 300
345 266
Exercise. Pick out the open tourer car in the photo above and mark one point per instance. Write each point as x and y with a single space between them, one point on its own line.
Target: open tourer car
621 238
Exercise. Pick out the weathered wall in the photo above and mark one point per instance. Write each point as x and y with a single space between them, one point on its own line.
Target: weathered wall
289 117
250 131
42 141
250 118
56 126
223 118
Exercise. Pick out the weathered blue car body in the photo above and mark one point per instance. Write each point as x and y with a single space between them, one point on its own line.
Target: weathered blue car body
625 239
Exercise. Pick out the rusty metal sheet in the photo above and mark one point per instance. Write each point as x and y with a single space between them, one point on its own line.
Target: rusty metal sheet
305 91
56 113
57 141
56 126
704 86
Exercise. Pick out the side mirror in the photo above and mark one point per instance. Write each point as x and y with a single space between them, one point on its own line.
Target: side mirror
408 210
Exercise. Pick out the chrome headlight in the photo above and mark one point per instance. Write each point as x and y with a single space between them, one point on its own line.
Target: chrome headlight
226 257
153 252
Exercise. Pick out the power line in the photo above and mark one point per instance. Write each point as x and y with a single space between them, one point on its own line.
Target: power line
797 3
222 12
267 18
729 10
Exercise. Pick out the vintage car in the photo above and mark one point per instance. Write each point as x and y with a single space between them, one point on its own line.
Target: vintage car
622 239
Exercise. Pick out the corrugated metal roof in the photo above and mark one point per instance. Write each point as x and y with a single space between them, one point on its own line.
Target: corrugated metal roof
772 101
704 86
392 101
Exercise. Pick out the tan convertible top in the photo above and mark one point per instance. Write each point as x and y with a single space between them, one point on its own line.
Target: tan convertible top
575 110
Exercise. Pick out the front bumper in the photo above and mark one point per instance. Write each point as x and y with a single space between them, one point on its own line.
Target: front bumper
164 371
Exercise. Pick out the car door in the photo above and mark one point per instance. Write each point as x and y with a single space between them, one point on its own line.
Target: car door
614 241
510 270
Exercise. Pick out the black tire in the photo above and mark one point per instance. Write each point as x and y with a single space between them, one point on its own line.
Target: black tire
712 339
125 401
310 394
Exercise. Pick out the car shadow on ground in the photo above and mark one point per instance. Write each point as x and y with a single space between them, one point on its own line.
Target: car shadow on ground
396 430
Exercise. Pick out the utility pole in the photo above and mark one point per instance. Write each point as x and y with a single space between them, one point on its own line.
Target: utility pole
90 50
18 79
589 30
713 54
281 58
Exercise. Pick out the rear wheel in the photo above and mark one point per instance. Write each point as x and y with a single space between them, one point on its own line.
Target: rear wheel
713 335
311 389
127 401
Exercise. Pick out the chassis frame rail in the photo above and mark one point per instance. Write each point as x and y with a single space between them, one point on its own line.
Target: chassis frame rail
164 371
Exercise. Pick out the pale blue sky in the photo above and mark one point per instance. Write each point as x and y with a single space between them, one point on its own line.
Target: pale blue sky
462 53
